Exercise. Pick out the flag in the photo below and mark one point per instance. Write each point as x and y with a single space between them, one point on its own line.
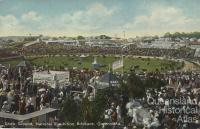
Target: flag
117 64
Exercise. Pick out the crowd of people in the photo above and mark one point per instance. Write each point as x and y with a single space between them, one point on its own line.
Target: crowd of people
7 52
157 109
19 95
174 106
53 49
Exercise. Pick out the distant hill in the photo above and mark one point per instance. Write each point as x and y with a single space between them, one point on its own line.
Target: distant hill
15 38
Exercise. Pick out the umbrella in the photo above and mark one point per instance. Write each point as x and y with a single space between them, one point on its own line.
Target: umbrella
197 90
136 104
129 105
83 55
155 124
42 90
170 87
143 116
130 112
183 90
11 93
28 79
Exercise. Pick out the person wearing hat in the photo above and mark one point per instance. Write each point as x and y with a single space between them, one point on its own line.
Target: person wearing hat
22 107
114 116
13 107
54 103
38 99
5 107
30 107
42 106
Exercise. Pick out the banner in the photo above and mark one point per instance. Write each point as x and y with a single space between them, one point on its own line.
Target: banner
52 78
117 64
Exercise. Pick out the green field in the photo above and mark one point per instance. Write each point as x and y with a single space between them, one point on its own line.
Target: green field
61 62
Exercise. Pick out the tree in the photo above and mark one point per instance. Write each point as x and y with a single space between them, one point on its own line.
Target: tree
86 108
30 38
54 38
71 111
102 37
80 37
98 106
168 35
123 88
156 37
152 82
177 35
135 86
182 34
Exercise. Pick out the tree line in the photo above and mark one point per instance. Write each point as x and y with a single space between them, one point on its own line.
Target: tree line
182 35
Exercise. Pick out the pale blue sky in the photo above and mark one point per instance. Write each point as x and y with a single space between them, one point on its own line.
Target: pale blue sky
93 17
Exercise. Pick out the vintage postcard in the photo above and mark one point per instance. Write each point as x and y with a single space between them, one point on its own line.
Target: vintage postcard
100 64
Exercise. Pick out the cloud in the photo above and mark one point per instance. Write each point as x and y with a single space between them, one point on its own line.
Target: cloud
93 17
31 16
142 17
161 19
8 21
89 21
97 18
9 24
100 9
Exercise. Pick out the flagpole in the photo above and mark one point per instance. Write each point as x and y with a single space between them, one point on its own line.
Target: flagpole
109 68
20 77
122 56
122 65
109 76
112 68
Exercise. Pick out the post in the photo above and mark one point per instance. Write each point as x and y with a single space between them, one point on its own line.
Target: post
122 60
109 68
109 72
20 77
122 65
